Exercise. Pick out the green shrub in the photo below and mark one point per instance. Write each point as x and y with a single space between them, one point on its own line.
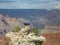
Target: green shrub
16 29
35 30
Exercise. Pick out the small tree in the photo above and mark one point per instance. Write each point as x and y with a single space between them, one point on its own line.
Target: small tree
35 30
16 29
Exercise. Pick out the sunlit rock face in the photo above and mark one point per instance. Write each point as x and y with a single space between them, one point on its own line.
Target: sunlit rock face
23 37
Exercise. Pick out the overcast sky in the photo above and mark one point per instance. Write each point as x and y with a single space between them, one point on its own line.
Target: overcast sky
29 4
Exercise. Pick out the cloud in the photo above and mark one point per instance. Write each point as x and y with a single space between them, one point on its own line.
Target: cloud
58 6
29 4
7 0
23 4
19 6
36 1
7 5
56 0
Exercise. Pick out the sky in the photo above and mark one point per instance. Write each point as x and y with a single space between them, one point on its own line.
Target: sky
29 4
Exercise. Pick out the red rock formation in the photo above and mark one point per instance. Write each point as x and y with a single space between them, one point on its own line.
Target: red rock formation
4 41
52 39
